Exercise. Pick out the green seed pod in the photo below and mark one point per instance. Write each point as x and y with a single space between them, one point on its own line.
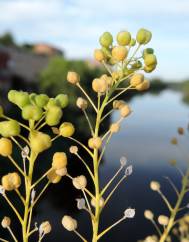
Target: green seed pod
31 112
66 129
150 68
143 36
62 100
137 65
12 95
123 38
148 37
150 59
22 99
132 42
1 111
9 128
32 97
53 115
51 103
106 39
41 100
107 52
147 52
39 141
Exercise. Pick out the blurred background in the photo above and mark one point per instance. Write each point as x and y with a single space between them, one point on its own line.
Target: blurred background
41 40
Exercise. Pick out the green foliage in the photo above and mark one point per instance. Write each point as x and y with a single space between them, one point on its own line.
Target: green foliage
7 39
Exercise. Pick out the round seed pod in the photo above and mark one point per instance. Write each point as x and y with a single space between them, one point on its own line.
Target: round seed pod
143 36
73 77
119 53
1 111
115 127
12 96
62 100
106 39
123 38
51 103
148 37
143 86
41 100
125 111
101 202
79 182
136 79
81 103
163 220
117 104
62 172
11 181
53 177
6 222
148 214
99 55
31 112
69 223
95 143
5 147
19 98
147 51
9 128
100 85
155 186
66 129
59 160
53 115
150 60
45 228
39 141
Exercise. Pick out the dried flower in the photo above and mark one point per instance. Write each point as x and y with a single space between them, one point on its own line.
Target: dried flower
81 103
123 161
80 203
117 104
5 147
73 77
148 214
80 182
45 228
163 220
6 222
155 186
115 127
69 223
129 213
62 172
129 170
25 152
125 111
100 85
73 149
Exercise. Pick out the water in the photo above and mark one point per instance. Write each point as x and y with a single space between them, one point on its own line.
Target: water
144 140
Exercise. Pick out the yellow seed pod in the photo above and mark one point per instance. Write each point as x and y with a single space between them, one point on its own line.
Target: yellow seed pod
117 104
100 85
136 79
123 38
59 160
150 60
39 141
62 172
119 53
155 186
143 86
148 214
5 147
95 143
149 69
163 220
115 75
79 182
66 129
101 202
69 223
45 227
53 177
109 81
73 77
99 55
115 127
73 149
11 181
125 111
6 222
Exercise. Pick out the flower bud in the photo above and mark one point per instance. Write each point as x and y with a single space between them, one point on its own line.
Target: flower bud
150 60
69 223
115 127
117 104
101 202
119 53
66 129
100 85
99 55
148 214
73 77
163 220
143 36
95 143
125 111
9 128
53 177
5 147
11 181
39 141
143 86
79 182
81 103
136 79
123 38
6 222
41 100
45 228
1 111
62 100
155 186
53 115
106 39
59 160
31 112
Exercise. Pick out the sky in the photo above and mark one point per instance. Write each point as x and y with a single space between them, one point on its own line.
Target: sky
75 26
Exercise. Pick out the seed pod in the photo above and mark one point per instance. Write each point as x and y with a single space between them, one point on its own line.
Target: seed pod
62 172
109 81
100 85
31 112
73 77
62 100
143 36
81 103
149 69
5 147
163 220
11 181
41 100
117 104
79 182
66 129
59 160
106 39
53 177
53 115
115 127
9 128
39 141
143 86
51 103
6 222
73 149
147 51
12 95
123 38
45 228
155 186
19 98
148 214
95 143
136 79
99 55
69 223
1 111
101 202
125 111
150 60
119 53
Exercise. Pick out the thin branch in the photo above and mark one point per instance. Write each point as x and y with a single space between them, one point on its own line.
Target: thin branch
80 236
16 165
85 164
12 234
165 200
82 145
41 178
89 122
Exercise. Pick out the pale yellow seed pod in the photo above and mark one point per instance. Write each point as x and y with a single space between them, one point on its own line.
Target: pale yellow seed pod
45 228
69 223
73 77
59 160
119 53
148 214
95 143
115 127
81 103
107 79
100 85
62 172
163 220
73 149
53 177
99 55
137 79
143 86
5 147
117 104
79 182
125 111
155 186
11 181
101 202
6 222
